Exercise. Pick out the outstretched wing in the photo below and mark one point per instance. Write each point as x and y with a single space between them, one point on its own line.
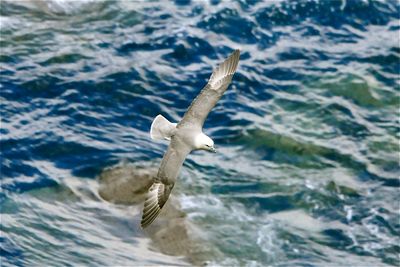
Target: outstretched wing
160 190
156 198
211 93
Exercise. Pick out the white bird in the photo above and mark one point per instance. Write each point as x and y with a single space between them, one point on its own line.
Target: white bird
185 136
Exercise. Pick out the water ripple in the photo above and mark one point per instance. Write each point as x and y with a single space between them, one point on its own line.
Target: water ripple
308 132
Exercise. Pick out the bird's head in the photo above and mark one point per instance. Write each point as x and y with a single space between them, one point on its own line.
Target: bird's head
203 142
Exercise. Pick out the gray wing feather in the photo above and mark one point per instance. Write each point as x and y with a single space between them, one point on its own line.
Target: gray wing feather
211 93
156 198
164 182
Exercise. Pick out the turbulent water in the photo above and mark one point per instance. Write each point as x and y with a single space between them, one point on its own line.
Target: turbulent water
307 172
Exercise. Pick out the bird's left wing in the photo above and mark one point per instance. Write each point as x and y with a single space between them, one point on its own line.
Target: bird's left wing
211 93
167 173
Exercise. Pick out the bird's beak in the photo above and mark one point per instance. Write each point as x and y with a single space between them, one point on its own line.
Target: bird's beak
213 150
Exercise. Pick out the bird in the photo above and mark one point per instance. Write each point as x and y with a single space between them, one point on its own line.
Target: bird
185 137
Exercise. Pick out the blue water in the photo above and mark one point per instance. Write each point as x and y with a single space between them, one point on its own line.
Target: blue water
307 172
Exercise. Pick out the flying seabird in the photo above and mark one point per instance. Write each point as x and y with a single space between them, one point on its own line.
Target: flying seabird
185 136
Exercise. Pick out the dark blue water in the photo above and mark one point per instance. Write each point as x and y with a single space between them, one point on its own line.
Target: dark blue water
307 172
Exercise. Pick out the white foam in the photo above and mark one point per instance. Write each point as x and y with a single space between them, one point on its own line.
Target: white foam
12 23
66 7
268 241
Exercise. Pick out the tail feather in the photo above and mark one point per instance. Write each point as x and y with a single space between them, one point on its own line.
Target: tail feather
161 128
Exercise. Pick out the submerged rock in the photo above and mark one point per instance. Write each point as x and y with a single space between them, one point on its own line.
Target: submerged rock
172 234
126 184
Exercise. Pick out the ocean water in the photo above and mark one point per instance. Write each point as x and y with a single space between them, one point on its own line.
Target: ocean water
307 169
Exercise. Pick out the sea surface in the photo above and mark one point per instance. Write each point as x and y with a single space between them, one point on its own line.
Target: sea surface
307 169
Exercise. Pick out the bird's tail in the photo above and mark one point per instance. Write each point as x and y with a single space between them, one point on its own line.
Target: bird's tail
161 128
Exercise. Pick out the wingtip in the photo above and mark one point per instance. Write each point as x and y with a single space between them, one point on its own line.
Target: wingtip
155 200
236 54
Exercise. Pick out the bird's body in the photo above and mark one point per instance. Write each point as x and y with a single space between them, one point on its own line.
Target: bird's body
185 137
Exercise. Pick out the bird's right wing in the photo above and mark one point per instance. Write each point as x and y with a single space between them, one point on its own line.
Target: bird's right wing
156 198
160 190
211 93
